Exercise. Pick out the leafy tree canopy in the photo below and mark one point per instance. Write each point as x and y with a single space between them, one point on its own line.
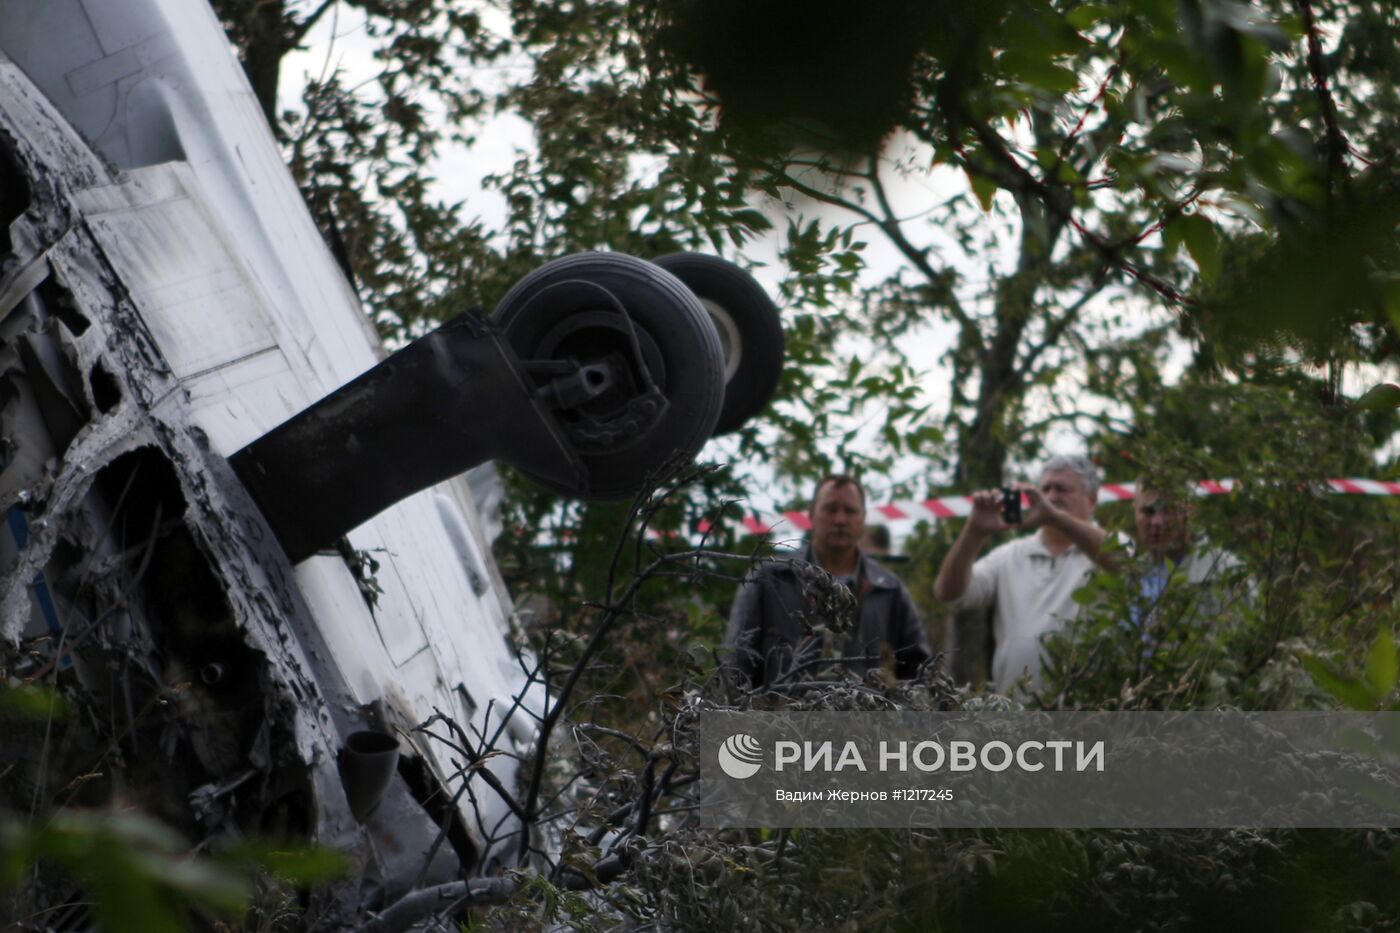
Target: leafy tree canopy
1223 163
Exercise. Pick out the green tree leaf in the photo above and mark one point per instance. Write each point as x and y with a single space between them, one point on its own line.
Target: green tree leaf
33 701
1384 397
1086 16
1202 242
984 188
1382 666
1352 693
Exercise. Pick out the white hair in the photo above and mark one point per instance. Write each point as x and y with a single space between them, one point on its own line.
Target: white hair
1080 465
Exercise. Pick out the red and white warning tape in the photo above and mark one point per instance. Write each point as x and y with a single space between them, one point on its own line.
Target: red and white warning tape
760 523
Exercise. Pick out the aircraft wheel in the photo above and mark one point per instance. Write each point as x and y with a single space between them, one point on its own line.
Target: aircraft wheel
647 367
749 329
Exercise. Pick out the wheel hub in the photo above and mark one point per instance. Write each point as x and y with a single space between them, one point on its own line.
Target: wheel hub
604 376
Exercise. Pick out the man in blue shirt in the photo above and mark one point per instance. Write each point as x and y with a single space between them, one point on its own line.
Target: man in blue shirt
1163 526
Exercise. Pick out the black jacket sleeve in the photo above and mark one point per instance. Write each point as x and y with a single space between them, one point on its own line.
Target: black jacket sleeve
742 657
911 648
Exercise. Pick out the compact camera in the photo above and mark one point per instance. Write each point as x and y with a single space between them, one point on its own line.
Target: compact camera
1010 505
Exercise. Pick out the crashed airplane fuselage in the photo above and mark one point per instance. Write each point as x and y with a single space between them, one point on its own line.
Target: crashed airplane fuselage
237 538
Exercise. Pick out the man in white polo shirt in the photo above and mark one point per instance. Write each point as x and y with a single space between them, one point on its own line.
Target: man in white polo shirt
1029 582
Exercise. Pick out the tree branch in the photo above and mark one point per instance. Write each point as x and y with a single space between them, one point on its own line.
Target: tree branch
309 23
890 227
1027 182
1056 328
1317 67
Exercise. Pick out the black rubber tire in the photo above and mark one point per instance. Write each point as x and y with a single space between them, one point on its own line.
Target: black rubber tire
749 327
680 342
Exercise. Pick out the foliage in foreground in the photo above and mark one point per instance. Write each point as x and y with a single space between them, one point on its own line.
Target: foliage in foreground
682 877
617 789
132 873
1317 582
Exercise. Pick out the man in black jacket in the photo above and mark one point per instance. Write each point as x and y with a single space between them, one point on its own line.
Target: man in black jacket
834 604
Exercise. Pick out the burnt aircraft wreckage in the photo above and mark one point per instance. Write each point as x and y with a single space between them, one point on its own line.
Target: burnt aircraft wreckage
201 431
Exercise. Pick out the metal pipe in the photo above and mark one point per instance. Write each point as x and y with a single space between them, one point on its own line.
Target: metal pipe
367 763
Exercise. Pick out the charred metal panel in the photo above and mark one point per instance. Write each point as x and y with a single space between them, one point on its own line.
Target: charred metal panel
182 273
